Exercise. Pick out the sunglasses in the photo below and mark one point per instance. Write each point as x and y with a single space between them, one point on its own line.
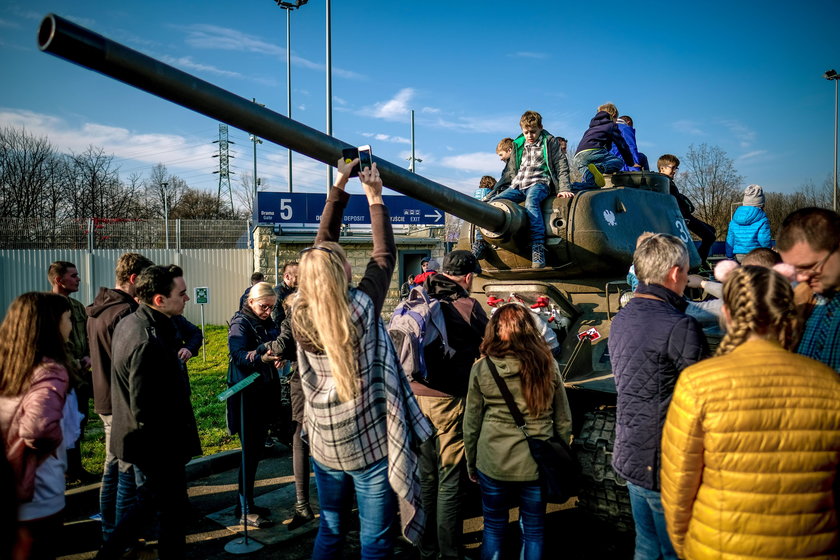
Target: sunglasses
265 306
313 248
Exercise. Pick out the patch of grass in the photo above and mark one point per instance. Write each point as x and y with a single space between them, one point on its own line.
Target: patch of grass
207 379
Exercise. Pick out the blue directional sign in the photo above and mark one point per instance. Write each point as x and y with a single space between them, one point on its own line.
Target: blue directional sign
304 209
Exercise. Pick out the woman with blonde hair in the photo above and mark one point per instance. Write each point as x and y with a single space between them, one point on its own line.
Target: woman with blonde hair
751 443
498 456
360 415
249 327
36 415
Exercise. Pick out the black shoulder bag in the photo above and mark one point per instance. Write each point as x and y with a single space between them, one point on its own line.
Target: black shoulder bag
558 467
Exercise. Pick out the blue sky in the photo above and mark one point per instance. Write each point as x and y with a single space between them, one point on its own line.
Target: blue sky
746 76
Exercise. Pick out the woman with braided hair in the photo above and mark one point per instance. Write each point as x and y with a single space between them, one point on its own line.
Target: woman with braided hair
751 443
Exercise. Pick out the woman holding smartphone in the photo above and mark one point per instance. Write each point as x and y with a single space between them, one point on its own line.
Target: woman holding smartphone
360 415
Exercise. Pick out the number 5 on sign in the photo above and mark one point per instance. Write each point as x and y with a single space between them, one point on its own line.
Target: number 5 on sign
285 209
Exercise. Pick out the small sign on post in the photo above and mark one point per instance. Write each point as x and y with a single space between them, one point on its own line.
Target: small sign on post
202 297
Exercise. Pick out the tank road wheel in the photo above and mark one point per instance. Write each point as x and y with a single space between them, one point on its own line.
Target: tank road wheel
603 493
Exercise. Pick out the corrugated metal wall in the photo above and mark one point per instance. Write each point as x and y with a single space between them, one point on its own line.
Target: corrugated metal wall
225 271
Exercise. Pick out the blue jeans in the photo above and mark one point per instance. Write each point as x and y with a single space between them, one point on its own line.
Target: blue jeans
119 485
603 160
377 510
497 497
652 541
533 197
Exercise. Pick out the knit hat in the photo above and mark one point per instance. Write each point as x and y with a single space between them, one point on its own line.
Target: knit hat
754 196
433 265
460 262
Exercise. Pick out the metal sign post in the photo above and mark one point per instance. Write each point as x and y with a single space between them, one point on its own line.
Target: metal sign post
243 545
202 297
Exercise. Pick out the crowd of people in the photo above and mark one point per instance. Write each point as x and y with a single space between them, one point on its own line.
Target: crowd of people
733 456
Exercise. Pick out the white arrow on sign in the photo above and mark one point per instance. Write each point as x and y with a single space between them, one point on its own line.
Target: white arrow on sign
437 216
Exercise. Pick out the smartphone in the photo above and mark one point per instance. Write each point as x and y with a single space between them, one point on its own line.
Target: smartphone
348 155
365 157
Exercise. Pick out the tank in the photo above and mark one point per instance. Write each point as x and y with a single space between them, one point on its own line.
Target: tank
590 241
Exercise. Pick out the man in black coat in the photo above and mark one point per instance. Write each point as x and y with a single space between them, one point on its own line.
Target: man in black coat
153 422
651 341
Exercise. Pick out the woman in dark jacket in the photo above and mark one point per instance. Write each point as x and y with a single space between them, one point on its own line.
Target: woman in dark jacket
250 327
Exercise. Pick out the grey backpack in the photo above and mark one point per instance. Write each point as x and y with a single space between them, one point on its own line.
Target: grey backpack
416 324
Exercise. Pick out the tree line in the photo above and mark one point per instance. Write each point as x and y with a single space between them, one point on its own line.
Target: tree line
39 182
42 184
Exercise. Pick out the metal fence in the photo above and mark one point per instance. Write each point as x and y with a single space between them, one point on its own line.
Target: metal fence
225 272
114 233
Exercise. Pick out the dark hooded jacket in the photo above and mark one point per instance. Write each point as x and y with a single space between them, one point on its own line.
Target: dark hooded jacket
465 321
603 133
108 308
651 341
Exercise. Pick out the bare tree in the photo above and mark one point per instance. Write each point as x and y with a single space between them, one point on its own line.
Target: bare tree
162 190
29 171
201 205
244 193
710 180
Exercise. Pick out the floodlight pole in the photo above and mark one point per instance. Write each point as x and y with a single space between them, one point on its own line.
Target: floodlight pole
329 130
832 75
289 6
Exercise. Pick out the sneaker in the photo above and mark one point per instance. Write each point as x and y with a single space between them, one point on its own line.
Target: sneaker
538 256
479 247
597 176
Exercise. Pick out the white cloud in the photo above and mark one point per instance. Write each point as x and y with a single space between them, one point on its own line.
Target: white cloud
394 109
751 155
481 162
688 127
6 23
386 138
433 110
745 135
527 54
188 62
214 37
498 124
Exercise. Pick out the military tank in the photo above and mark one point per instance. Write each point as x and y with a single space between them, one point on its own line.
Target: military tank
590 240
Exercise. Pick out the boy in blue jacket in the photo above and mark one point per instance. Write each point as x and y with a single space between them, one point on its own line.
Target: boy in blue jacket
593 156
625 126
535 167
750 226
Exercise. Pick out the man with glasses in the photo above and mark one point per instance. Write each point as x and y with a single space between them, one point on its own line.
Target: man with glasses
809 240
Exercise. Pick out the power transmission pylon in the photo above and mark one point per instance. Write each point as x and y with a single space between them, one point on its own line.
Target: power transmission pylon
224 166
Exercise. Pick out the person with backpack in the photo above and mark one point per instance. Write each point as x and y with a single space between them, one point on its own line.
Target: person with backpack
441 393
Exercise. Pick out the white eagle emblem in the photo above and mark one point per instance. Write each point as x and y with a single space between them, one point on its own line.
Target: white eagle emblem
609 216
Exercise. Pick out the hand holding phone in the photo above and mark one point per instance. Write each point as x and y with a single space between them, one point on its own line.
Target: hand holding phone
347 156
365 157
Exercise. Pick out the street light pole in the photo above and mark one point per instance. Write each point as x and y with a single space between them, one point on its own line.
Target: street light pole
412 160
289 6
164 184
256 141
832 75
329 89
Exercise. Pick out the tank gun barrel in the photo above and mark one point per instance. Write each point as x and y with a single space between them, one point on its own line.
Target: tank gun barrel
86 48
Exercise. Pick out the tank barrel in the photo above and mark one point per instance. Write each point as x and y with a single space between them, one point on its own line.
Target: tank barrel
81 46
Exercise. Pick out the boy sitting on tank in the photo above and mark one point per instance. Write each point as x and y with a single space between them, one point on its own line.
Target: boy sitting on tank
593 157
669 164
536 166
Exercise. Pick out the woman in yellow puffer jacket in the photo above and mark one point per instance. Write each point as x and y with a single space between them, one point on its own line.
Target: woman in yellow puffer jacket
751 444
